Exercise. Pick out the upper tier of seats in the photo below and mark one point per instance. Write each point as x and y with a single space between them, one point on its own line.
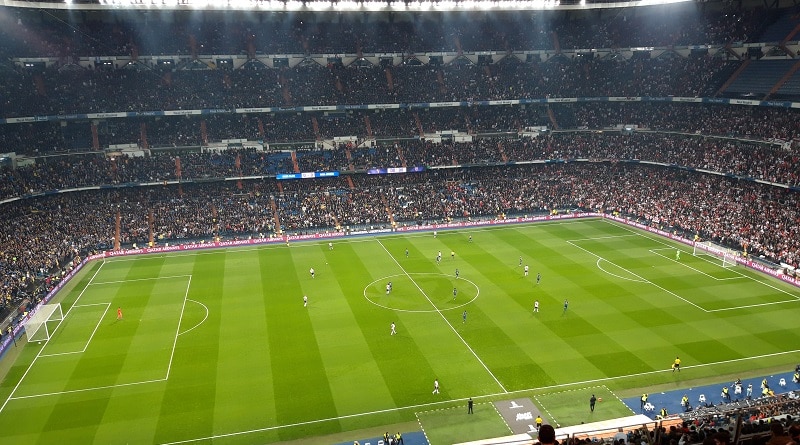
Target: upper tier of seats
65 33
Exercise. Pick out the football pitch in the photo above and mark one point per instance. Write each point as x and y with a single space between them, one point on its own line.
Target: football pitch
218 347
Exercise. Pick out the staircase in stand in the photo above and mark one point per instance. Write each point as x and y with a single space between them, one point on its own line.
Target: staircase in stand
143 135
274 206
315 126
95 137
203 132
401 156
419 124
295 164
337 83
440 81
789 37
457 44
556 43
251 46
733 77
502 151
287 96
38 80
330 208
389 79
783 80
389 212
552 118
729 50
349 157
368 124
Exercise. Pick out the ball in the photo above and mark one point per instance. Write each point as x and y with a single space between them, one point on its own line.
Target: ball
600 399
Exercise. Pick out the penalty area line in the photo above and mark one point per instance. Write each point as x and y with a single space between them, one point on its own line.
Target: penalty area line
643 280
485 396
76 391
447 322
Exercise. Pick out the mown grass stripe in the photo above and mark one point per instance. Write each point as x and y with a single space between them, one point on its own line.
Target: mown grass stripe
189 393
299 378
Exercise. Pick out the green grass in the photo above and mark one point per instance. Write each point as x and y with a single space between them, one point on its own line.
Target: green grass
571 406
216 346
454 425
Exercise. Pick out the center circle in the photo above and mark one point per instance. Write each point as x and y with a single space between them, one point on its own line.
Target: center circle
421 292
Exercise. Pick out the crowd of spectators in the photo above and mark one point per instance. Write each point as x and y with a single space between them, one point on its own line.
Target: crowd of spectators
66 88
744 122
43 237
740 122
759 160
58 34
759 123
767 420
28 92
40 235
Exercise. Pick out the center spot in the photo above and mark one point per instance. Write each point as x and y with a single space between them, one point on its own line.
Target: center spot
421 292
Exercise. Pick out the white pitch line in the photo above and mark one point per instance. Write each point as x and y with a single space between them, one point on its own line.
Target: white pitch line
94 331
201 321
547 411
439 311
594 238
309 422
131 280
652 238
96 388
644 280
75 303
735 308
620 400
497 411
178 329
655 252
442 402
366 297
33 362
89 340
58 354
422 428
615 275
367 238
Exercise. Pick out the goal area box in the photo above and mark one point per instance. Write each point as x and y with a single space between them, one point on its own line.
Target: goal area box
43 322
726 256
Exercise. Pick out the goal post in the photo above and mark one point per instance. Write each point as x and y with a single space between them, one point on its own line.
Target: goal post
43 322
721 253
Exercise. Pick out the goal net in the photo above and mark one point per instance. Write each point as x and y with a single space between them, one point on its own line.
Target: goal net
726 256
43 322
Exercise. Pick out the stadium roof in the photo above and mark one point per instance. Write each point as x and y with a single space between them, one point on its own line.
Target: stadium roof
337 5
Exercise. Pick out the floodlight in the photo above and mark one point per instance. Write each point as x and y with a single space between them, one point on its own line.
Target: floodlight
294 5
347 5
315 6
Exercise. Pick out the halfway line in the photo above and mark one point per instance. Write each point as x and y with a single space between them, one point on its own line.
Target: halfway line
438 311
388 410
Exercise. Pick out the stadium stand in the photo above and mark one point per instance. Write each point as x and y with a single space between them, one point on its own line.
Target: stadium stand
759 78
790 88
745 198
